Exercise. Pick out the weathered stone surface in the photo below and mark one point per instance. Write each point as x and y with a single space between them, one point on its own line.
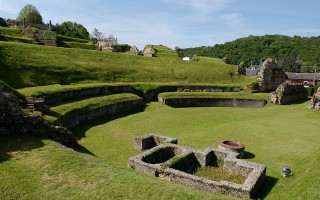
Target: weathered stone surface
134 50
315 101
172 162
270 76
84 92
287 93
149 141
14 122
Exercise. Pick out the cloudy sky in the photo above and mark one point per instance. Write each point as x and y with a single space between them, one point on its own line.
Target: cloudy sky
182 23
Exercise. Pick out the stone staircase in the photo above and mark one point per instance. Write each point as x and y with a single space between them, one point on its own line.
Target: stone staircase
30 104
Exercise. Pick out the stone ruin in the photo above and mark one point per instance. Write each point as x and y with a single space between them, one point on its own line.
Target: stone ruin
315 101
287 93
13 121
270 76
175 163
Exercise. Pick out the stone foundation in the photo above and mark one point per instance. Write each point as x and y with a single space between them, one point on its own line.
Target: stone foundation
13 121
287 93
174 163
150 141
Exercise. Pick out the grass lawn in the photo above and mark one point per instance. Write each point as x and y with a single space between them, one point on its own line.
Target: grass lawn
274 135
33 65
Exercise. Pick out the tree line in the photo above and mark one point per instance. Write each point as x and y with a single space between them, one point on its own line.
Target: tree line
294 51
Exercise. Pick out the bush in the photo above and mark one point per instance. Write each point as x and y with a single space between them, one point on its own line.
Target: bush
3 23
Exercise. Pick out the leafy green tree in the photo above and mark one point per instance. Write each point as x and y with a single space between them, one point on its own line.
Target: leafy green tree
291 63
72 29
31 14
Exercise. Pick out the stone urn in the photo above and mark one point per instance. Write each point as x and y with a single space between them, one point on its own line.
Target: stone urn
233 146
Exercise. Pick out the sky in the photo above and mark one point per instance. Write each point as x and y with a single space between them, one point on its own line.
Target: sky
182 23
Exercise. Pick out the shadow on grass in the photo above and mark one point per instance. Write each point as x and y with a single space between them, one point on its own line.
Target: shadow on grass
248 155
267 185
11 144
80 131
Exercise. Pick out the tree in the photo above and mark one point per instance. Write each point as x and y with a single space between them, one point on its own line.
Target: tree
72 29
31 14
291 63
97 35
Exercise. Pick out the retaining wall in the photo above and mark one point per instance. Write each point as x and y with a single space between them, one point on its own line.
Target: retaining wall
85 92
90 115
212 102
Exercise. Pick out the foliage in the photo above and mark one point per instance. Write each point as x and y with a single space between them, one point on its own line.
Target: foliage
3 22
291 63
41 34
72 29
121 48
97 35
252 49
31 14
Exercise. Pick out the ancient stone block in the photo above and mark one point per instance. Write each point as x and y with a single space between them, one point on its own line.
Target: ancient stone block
287 93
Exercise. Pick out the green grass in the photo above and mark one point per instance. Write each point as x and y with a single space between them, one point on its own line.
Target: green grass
50 89
68 109
228 95
32 65
14 32
218 174
274 135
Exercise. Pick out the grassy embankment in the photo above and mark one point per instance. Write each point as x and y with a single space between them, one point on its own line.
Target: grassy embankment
68 109
31 65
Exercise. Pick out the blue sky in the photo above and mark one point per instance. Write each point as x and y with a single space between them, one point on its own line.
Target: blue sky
182 23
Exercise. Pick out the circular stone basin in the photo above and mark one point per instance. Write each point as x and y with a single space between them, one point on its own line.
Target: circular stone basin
233 146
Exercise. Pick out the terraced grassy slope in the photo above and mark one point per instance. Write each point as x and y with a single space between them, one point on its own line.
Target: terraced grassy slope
28 65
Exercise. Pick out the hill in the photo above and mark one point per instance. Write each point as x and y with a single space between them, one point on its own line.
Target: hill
25 65
253 48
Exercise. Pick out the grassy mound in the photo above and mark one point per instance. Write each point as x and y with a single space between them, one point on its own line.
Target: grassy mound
31 65
68 109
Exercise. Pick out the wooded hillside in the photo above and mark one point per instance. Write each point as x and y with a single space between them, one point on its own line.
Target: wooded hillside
253 48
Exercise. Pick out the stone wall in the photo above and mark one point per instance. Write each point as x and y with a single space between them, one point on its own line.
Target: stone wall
13 121
287 93
85 92
315 101
270 76
212 102
111 109
173 163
